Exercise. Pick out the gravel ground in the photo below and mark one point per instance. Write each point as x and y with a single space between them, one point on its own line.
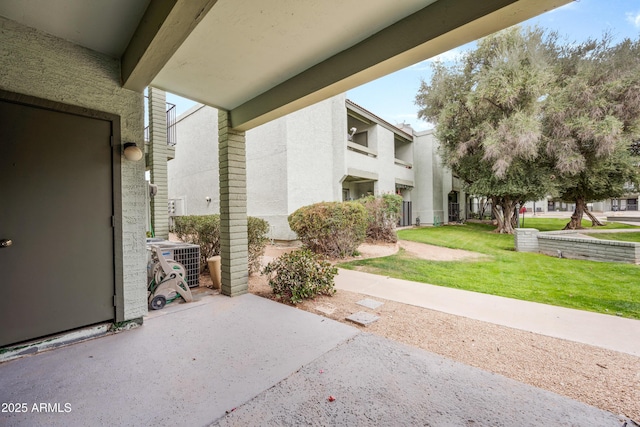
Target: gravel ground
603 378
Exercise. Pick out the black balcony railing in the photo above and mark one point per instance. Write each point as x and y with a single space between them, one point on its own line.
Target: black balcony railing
172 137
171 124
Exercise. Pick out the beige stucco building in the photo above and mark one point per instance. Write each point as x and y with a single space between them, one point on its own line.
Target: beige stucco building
331 151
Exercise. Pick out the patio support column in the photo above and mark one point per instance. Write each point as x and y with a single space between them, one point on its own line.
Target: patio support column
233 208
158 152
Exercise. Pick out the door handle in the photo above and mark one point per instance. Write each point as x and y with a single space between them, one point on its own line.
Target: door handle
4 243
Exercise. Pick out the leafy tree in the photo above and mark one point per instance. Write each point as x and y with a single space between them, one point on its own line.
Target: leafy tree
523 116
487 108
591 120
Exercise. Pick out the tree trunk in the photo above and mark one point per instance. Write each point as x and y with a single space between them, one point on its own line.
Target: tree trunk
514 217
595 222
504 215
576 218
508 207
497 213
483 207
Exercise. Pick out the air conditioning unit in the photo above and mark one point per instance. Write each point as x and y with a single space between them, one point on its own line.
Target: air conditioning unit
185 253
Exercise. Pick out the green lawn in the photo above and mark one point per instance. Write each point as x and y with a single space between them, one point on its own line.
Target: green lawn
601 287
622 237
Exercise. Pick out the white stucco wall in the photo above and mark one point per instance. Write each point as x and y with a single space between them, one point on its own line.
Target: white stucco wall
404 151
339 132
267 176
310 139
441 173
385 167
193 175
362 162
291 162
382 165
433 181
294 161
40 65
403 172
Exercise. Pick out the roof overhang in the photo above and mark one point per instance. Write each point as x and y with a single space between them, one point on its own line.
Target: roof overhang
262 60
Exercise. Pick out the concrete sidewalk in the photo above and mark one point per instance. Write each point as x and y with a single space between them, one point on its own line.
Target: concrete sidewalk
186 366
378 382
248 361
611 332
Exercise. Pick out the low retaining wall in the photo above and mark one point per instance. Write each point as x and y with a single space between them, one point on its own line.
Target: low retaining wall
620 218
526 240
568 244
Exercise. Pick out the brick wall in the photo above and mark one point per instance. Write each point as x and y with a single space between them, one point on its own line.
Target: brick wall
526 240
588 249
568 245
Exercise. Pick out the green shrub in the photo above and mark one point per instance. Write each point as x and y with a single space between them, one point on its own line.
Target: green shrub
204 231
201 230
384 212
257 229
299 275
334 229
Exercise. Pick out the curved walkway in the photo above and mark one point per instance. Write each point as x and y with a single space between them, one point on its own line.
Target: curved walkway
601 330
439 253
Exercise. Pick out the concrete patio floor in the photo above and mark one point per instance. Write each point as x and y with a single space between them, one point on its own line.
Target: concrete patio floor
267 364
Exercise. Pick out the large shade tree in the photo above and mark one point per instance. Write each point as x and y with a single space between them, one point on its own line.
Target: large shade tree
591 120
486 108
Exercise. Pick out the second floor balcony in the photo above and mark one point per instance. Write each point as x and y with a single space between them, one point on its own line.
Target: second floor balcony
172 138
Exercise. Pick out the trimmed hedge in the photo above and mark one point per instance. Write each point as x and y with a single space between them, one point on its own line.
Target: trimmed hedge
334 229
204 231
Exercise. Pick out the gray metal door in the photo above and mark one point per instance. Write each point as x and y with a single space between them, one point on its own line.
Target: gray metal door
405 215
56 203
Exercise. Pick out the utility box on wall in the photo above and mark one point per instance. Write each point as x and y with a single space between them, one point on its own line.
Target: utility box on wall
176 207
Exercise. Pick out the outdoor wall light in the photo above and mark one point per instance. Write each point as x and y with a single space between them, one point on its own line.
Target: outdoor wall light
132 152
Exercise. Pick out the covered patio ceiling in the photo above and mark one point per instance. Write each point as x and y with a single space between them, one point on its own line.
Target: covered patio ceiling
262 60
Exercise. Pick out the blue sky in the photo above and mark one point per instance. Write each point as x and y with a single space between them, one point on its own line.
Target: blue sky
392 97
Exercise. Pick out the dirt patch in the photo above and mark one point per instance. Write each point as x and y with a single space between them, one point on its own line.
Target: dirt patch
377 250
438 253
372 250
274 251
366 250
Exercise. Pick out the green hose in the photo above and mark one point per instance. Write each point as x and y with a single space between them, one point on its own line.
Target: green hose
153 286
